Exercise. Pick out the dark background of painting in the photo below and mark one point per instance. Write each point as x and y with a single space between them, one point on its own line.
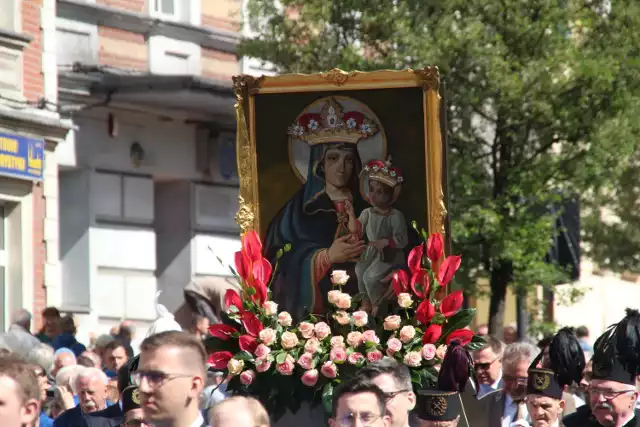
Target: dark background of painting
401 113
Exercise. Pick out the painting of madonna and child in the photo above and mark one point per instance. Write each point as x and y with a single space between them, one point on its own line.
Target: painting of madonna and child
341 176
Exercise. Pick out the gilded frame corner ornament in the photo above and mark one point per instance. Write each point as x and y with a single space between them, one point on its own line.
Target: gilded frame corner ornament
248 87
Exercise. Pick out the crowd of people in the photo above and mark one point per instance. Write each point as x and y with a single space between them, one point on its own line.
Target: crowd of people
50 379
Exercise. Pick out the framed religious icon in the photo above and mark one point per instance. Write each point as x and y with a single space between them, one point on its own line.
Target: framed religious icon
336 166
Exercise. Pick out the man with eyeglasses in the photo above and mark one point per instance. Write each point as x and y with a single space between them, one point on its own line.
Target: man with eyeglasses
563 366
503 407
170 376
359 403
488 366
394 380
616 364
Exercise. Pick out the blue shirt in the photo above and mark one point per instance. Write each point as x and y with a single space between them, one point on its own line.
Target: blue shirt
45 420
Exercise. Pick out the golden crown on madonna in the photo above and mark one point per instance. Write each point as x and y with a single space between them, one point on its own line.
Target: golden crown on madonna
333 124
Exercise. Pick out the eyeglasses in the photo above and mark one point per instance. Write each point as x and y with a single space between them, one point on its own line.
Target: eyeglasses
485 365
133 423
366 418
607 394
154 378
518 380
392 394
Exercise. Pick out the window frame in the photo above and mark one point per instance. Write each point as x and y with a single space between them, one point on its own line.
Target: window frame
155 7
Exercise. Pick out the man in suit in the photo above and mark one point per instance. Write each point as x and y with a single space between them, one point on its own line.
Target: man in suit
113 414
91 386
563 366
487 362
171 375
612 391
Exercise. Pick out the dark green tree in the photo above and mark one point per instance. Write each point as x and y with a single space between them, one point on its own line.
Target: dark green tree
542 96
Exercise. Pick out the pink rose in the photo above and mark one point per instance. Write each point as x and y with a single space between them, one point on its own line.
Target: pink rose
394 345
407 333
247 377
284 319
333 296
322 330
428 351
306 329
355 358
360 318
270 308
405 300
413 359
312 345
339 277
337 341
342 317
441 351
310 378
329 369
267 336
263 365
262 351
354 339
338 354
391 323
370 336
344 301
288 340
374 356
306 361
286 367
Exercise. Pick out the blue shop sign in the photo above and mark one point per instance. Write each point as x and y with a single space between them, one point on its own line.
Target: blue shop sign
21 157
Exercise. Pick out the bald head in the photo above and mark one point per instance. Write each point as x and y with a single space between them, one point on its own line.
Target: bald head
239 411
22 318
63 359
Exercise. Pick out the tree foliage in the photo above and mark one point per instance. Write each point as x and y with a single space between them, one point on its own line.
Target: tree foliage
542 99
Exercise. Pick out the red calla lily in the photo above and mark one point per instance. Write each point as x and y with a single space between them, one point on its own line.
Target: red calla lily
400 282
243 266
451 303
432 334
462 335
251 323
248 343
420 283
261 275
425 312
414 261
232 299
435 247
448 268
251 246
222 331
220 359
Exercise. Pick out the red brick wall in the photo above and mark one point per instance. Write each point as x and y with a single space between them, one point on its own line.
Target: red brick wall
219 65
39 255
229 24
132 5
123 49
33 83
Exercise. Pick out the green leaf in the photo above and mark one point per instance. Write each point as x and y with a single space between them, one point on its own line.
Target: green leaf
477 342
280 358
244 355
250 291
416 378
287 247
279 254
327 397
460 320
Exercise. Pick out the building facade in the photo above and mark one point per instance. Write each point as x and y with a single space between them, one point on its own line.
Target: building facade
30 130
148 183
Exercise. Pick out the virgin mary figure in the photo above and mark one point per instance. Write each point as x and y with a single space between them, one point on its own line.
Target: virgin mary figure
314 221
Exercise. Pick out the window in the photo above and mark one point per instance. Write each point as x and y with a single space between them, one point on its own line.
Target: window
167 8
123 198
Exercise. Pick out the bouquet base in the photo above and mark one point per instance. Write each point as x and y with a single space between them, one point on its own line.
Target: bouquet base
306 416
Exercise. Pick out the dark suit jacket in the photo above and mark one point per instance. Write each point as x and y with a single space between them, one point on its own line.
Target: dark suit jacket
583 418
110 416
71 418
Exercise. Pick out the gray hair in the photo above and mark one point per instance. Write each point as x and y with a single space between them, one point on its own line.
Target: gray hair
519 351
22 318
43 356
67 376
92 373
399 372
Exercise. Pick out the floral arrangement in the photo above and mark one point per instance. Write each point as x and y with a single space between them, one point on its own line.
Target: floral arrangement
283 364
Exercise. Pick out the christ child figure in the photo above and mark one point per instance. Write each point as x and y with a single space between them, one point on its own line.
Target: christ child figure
385 230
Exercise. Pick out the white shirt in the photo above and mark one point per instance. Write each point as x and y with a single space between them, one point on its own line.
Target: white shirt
488 388
510 410
199 422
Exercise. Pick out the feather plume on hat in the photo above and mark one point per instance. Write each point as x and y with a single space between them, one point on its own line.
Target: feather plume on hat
165 321
456 368
616 354
566 358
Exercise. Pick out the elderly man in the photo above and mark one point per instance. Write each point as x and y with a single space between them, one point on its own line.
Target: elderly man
563 367
63 358
18 338
359 403
239 411
616 363
91 388
19 393
488 366
394 380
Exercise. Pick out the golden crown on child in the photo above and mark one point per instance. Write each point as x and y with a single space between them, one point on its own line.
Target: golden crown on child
377 170
333 125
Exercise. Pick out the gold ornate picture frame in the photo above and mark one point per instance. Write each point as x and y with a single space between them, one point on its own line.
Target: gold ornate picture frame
254 143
